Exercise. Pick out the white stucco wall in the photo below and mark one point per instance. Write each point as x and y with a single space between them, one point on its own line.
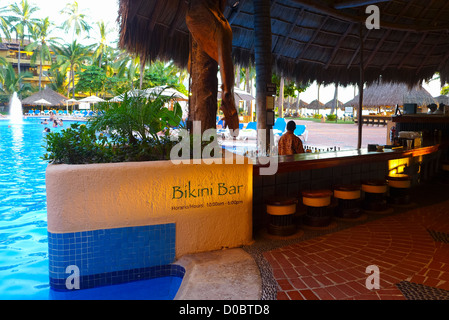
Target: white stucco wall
107 196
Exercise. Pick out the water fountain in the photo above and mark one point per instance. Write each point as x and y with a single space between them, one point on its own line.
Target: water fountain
15 110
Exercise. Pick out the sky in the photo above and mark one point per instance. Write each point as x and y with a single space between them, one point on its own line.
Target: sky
107 11
95 10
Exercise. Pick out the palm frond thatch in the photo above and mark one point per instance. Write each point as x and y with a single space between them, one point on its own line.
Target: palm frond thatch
56 99
391 94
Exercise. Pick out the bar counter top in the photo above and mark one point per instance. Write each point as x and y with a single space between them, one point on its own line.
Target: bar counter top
421 118
307 161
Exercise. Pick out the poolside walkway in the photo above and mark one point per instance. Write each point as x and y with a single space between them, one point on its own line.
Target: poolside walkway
342 135
410 247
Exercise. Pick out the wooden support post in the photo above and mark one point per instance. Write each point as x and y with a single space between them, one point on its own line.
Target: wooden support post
361 81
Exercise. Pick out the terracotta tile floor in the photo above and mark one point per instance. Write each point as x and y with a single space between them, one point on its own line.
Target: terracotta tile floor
333 266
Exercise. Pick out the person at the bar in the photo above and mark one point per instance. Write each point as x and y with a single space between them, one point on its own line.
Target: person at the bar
289 143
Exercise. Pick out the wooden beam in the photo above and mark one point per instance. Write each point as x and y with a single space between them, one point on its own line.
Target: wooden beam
317 31
379 44
393 55
356 52
338 45
413 50
292 26
356 3
361 81
235 13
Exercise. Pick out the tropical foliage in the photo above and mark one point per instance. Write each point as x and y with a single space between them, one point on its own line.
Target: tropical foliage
134 130
72 62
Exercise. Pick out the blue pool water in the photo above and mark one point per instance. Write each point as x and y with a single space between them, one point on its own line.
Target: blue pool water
24 270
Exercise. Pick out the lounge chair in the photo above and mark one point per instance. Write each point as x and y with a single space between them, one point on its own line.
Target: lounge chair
250 132
279 126
30 113
37 112
301 130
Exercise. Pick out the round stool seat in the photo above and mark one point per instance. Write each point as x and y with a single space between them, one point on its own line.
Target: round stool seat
347 192
281 210
317 198
399 185
375 192
399 181
348 201
374 186
318 208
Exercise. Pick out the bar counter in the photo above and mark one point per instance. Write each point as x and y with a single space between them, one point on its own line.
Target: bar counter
313 171
307 161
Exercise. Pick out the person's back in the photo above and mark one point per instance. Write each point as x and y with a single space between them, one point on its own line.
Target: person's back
290 144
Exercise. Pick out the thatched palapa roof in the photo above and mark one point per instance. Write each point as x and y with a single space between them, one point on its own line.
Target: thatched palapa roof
392 94
311 40
442 99
315 104
333 103
56 99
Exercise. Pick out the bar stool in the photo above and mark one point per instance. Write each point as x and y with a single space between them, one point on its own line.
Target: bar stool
399 185
281 211
348 201
375 195
318 208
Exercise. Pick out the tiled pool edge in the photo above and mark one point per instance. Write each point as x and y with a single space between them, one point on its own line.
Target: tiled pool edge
112 256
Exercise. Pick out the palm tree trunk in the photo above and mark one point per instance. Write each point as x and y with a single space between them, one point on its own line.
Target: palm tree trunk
40 74
262 52
72 71
142 68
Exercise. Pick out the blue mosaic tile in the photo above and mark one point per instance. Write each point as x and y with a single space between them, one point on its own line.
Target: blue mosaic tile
111 256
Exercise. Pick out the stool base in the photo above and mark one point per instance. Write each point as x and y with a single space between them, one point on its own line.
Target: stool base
317 217
281 225
348 209
375 202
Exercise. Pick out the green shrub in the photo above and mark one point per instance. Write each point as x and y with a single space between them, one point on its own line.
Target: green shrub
331 117
317 116
126 131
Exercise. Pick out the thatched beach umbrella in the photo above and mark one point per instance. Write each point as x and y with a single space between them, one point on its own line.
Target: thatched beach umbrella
333 104
54 98
392 94
316 105
442 99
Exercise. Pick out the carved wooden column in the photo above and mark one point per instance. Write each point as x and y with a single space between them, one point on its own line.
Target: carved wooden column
203 101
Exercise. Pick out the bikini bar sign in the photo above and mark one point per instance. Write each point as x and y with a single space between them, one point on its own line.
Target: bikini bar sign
212 188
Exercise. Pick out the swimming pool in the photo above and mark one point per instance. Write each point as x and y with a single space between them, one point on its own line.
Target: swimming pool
24 269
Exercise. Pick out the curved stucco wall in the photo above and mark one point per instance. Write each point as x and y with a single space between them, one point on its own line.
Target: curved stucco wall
215 212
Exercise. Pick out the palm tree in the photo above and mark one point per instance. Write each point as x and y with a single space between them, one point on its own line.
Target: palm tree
102 46
12 82
75 21
4 23
128 66
71 57
22 22
40 45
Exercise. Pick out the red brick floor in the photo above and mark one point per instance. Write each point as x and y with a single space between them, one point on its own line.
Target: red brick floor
333 266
